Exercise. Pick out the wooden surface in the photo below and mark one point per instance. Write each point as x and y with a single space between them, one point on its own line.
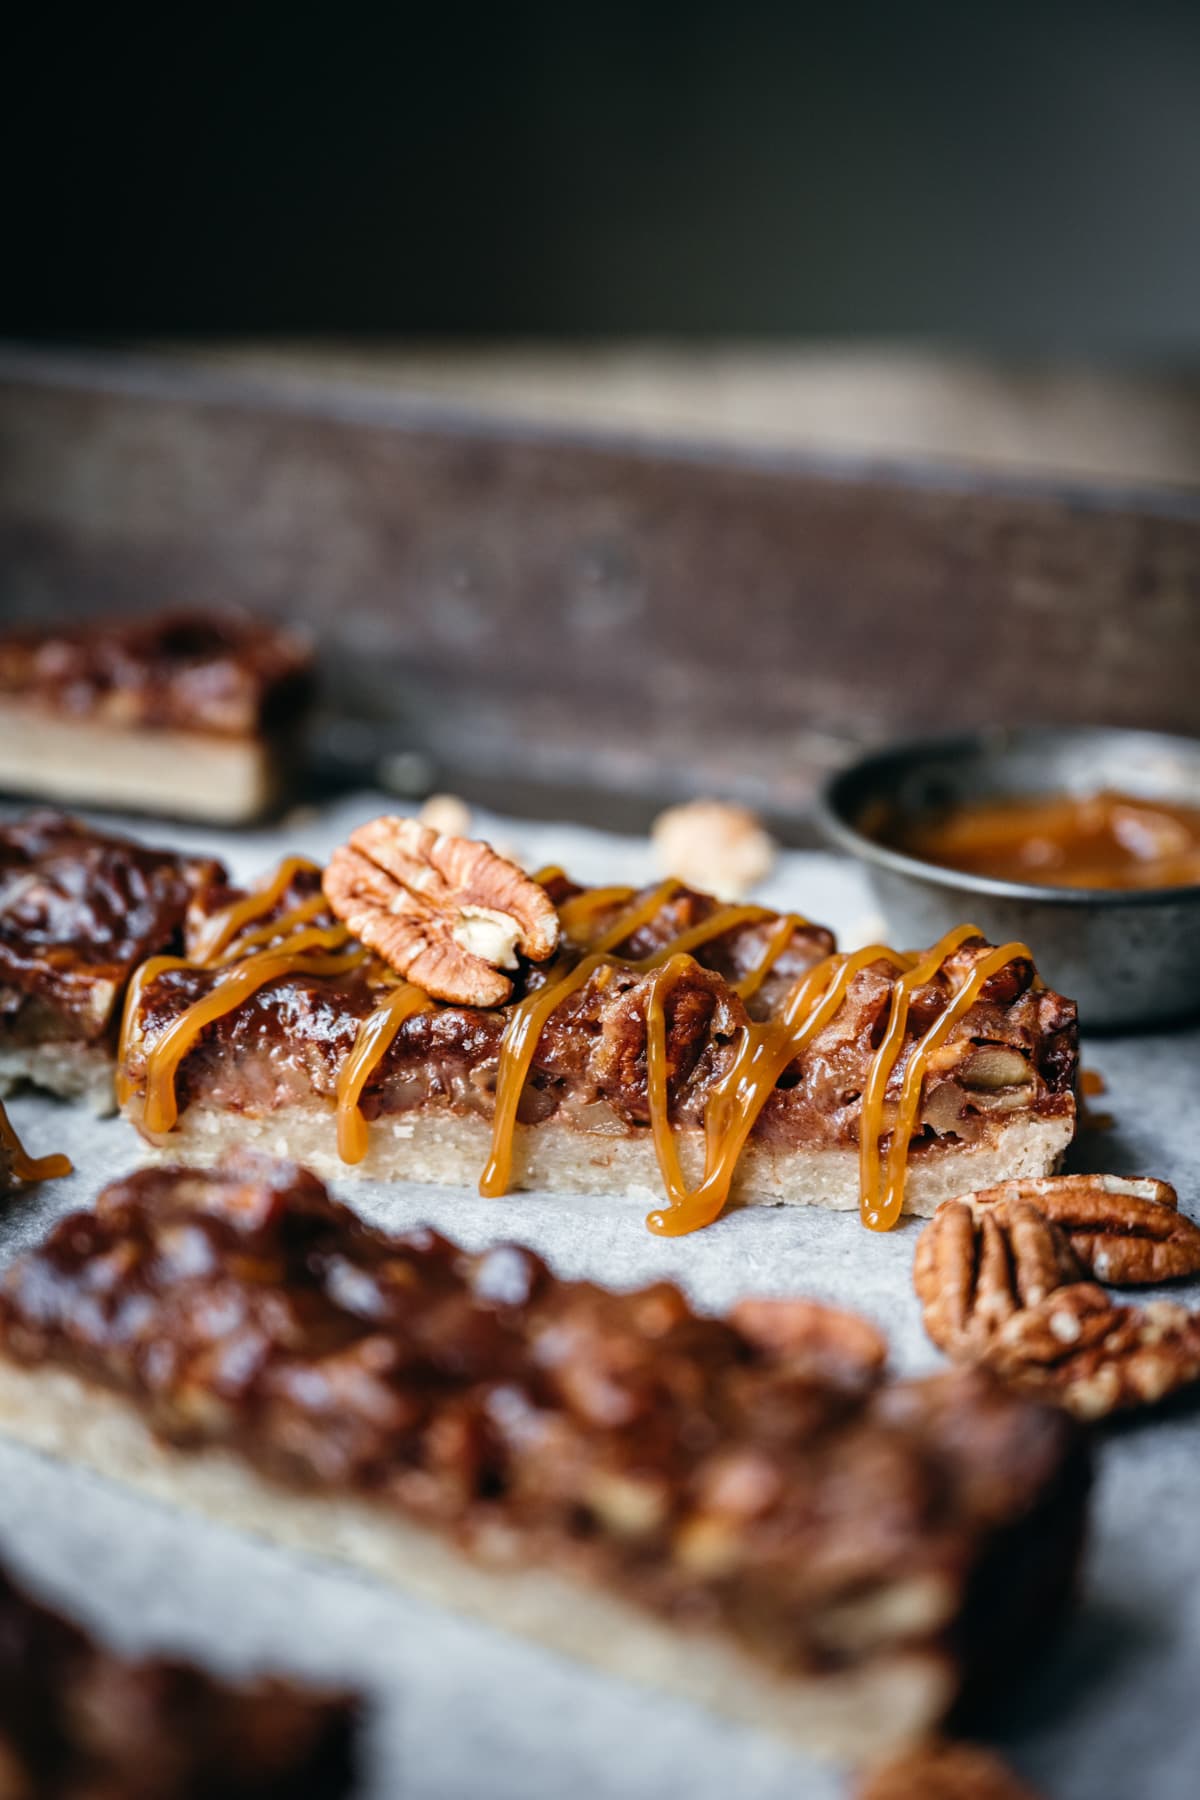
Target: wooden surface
582 608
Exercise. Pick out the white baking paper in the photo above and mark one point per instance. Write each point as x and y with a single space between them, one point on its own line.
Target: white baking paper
459 1712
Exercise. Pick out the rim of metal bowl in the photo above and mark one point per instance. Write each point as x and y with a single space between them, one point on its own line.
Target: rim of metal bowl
830 809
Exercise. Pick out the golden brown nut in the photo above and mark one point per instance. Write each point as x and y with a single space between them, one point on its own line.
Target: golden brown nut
446 912
715 846
977 1265
1125 1230
1081 1350
447 814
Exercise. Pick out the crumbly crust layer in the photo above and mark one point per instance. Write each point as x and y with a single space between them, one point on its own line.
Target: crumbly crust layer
437 1143
155 769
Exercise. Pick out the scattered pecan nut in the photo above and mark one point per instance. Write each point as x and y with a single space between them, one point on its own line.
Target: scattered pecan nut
1083 1351
944 1771
446 912
979 1264
1125 1230
715 846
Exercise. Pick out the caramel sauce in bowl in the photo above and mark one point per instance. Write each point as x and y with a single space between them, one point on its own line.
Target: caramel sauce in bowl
1084 842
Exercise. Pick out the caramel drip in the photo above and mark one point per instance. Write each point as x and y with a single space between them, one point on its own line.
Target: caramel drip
303 913
143 976
892 1198
223 927
870 1126
24 1166
375 1036
776 944
235 983
582 909
765 1051
521 1036
636 916
530 1015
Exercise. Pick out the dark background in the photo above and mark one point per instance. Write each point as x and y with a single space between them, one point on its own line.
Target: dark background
1025 177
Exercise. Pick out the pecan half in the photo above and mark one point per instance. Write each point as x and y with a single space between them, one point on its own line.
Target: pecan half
944 1771
447 912
1083 1351
978 1265
1124 1230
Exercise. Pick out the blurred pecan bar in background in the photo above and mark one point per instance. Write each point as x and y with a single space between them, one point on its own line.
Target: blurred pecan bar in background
80 1723
744 1510
79 909
187 714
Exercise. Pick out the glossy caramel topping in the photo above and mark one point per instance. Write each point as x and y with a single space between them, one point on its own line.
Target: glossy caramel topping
1104 840
23 1166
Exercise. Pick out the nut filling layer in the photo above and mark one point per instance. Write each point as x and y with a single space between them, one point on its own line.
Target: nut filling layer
755 1475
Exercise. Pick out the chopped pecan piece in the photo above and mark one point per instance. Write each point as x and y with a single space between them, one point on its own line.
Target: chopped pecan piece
944 1771
979 1264
1086 1353
447 912
1125 1230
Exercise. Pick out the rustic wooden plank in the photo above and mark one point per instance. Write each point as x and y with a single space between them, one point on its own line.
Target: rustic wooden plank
573 609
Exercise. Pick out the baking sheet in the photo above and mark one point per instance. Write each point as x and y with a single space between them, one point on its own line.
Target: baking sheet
461 1711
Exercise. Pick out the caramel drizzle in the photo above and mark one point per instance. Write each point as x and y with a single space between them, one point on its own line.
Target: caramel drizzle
764 1052
302 947
24 1166
529 1016
225 926
375 1036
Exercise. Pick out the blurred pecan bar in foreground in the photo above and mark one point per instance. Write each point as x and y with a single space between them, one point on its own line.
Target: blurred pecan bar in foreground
79 910
744 1510
184 714
80 1723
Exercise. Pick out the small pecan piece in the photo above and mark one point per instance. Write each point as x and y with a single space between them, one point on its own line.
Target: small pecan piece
447 912
1125 1230
977 1265
1081 1350
806 1331
944 1771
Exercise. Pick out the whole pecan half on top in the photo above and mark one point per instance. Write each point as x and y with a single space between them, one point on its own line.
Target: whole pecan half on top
977 1265
1125 1230
447 912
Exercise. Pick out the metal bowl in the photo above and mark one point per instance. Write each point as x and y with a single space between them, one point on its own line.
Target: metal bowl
1129 957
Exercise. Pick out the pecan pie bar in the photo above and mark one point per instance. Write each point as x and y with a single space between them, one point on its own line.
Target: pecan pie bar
80 1723
424 1009
191 714
79 910
745 1510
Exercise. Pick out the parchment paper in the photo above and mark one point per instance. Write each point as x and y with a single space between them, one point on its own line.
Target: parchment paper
458 1711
